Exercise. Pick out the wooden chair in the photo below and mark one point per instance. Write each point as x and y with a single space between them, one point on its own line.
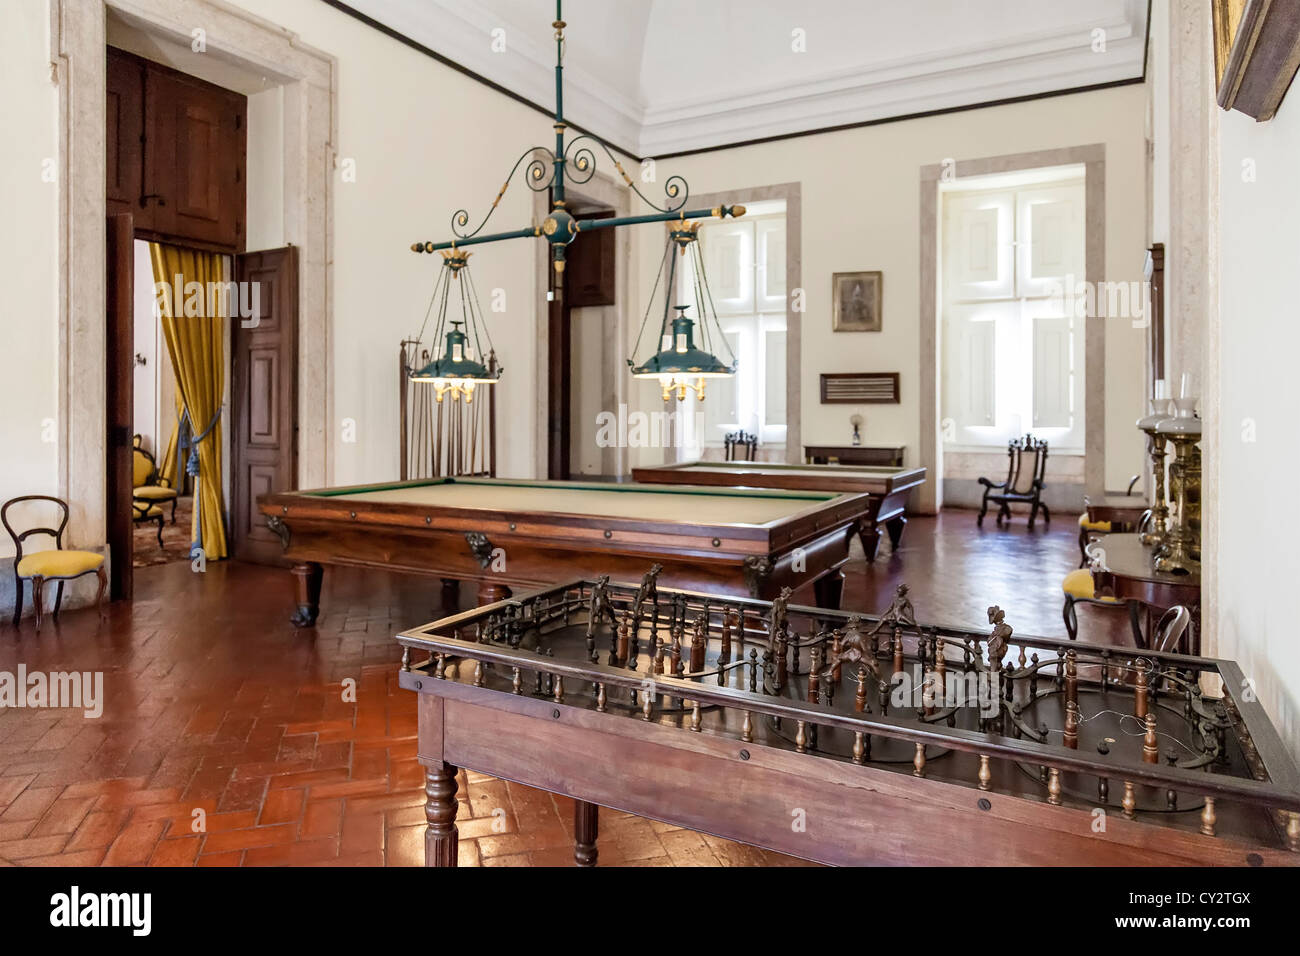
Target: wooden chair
1026 465
740 442
148 487
1079 587
57 565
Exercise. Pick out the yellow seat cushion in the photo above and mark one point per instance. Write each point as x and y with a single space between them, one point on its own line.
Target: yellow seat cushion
141 512
154 492
58 564
1100 526
1079 584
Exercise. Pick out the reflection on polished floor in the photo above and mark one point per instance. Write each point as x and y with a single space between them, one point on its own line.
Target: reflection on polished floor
214 702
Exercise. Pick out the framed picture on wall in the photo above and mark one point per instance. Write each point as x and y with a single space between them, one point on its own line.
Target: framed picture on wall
855 301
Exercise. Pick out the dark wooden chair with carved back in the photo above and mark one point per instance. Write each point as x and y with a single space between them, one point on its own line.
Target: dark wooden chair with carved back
740 446
1026 467
54 565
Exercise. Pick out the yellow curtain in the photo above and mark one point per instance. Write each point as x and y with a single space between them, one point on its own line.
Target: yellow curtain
192 309
167 463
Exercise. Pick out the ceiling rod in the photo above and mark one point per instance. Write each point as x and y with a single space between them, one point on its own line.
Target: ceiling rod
547 170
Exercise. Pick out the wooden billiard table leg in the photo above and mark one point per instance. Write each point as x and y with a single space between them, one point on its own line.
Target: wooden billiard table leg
441 838
829 588
895 527
869 535
489 592
307 577
586 825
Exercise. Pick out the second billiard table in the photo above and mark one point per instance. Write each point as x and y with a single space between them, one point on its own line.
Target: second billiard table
885 488
505 534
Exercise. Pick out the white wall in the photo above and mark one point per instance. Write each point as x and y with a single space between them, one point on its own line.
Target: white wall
861 199
1259 395
29 332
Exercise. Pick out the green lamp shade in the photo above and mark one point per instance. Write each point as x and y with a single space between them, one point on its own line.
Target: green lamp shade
455 364
681 357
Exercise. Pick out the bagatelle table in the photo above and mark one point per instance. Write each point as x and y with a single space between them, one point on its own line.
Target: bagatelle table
886 488
505 534
849 739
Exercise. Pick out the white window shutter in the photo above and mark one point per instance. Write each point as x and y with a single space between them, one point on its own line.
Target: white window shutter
1052 372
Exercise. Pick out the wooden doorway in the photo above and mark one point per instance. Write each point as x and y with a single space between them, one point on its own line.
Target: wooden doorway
588 280
119 405
263 399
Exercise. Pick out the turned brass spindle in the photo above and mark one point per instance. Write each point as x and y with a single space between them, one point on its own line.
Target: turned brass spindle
898 651
699 643
1129 803
1208 817
647 705
659 660
860 695
517 683
747 728
918 761
406 658
1071 725
1140 692
1103 789
559 689
814 677
724 654
801 738
676 660
1150 746
940 672
441 671
600 698
1054 787
780 662
836 672
695 716
1071 677
621 649
859 747
986 773
478 673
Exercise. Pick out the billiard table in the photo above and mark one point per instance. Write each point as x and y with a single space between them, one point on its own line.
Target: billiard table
886 488
506 533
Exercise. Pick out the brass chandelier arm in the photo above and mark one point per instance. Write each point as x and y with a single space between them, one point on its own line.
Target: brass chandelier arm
584 161
540 175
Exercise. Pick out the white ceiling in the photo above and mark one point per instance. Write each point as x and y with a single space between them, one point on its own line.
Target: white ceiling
666 76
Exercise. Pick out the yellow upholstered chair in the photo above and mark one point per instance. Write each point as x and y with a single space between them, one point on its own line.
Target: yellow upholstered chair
1078 586
149 489
1086 531
57 565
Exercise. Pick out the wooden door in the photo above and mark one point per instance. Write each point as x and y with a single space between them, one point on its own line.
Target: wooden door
195 150
124 137
119 401
264 398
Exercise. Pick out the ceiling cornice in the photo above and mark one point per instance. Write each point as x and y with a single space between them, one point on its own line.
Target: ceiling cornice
1019 67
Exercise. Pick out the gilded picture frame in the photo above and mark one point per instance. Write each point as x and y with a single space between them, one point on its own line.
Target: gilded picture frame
856 299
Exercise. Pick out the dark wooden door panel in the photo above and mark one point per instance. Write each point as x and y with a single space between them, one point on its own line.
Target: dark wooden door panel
124 136
119 399
264 390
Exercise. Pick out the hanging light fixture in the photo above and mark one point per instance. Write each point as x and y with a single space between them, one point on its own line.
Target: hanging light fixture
457 370
681 363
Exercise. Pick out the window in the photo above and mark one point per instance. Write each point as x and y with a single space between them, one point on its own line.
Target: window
1012 351
745 263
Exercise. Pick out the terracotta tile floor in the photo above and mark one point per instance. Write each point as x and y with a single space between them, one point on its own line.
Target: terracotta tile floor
226 738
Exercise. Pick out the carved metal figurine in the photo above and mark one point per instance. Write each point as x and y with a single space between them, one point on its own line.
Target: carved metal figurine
855 647
900 611
599 607
648 591
780 617
999 637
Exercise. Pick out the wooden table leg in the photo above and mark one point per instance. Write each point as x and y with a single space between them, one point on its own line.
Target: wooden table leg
307 578
895 527
586 826
441 838
490 592
869 535
450 595
829 588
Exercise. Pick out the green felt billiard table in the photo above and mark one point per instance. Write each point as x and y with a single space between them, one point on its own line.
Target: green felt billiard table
885 488
505 534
